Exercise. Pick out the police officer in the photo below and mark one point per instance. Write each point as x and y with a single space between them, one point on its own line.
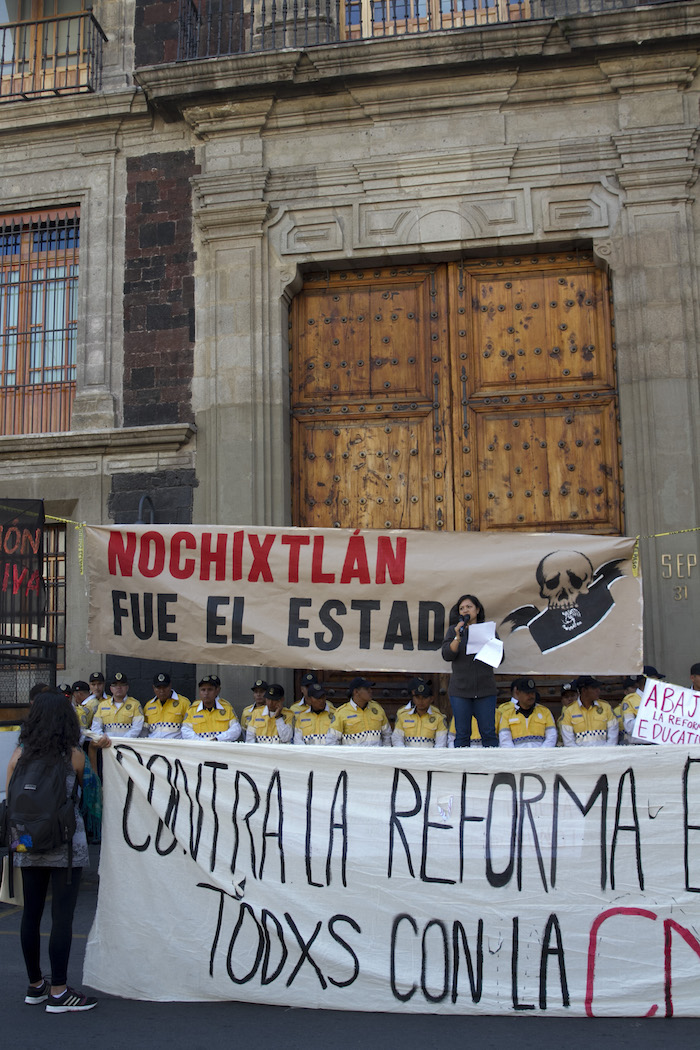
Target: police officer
361 722
312 722
307 679
80 691
166 712
630 702
211 717
568 695
259 688
419 724
97 693
121 715
523 722
273 723
589 721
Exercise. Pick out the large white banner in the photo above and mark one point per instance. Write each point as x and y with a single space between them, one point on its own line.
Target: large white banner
424 881
361 600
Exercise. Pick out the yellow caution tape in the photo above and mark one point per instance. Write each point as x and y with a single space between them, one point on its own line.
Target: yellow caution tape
80 526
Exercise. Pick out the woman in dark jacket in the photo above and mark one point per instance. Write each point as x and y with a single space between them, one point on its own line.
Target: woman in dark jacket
472 683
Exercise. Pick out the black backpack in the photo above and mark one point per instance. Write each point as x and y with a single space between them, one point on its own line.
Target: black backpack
40 814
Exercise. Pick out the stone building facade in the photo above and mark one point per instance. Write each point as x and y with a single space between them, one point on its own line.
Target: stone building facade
227 200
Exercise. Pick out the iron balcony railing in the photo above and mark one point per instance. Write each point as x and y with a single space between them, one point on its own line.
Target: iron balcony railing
39 408
210 28
50 56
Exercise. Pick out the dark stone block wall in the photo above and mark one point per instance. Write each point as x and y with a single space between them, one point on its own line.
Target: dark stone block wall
159 289
142 672
156 31
171 491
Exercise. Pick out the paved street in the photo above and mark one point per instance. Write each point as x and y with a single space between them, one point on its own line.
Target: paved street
117 1023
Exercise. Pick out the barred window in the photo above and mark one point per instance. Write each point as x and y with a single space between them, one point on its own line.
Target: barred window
55 582
38 320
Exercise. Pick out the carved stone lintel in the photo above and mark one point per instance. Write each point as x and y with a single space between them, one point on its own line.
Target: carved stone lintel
583 207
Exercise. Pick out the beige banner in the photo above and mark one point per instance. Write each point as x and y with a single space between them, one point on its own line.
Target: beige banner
361 600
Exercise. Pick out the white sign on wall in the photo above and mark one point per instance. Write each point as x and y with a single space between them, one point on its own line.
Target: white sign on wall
377 879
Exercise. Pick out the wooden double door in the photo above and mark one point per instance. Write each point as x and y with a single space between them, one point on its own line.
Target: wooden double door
478 394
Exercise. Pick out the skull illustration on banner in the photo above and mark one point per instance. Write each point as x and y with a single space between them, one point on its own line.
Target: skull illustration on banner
578 599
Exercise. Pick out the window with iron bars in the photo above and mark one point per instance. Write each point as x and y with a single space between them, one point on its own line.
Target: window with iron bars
38 320
53 626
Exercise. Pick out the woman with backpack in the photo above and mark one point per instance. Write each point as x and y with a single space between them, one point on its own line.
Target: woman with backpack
48 763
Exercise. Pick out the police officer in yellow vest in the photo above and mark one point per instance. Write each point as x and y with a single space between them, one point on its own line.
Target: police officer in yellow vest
80 691
524 723
166 712
419 724
273 723
312 722
211 717
121 716
307 679
361 722
631 700
589 721
96 693
568 695
259 688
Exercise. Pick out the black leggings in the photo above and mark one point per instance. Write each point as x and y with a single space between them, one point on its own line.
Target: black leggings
63 897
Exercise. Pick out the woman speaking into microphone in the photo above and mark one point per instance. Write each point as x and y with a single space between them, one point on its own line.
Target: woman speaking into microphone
472 687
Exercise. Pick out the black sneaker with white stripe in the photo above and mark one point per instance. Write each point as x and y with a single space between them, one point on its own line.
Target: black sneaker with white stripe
36 995
69 1001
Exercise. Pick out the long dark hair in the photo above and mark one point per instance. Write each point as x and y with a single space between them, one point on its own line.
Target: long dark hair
454 611
51 729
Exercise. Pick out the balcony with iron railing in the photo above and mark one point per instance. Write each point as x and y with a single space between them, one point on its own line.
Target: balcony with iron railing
51 56
36 408
211 28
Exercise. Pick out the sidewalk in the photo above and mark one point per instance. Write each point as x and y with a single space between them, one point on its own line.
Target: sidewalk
116 1023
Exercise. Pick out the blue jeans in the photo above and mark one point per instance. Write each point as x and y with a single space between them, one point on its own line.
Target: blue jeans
484 709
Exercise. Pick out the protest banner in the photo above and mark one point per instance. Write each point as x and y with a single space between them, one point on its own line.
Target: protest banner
360 600
401 880
22 590
668 714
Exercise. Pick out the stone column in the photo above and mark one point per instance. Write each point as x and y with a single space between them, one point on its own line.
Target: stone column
657 313
99 286
241 385
294 23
